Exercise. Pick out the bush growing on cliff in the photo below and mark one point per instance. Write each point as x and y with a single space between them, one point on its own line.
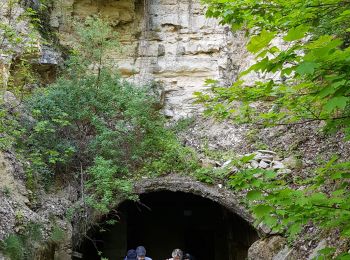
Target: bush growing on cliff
98 126
22 246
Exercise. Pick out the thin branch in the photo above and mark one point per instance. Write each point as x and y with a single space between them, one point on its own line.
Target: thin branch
329 207
305 121
334 4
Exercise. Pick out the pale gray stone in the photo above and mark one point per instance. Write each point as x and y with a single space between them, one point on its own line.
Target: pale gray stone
284 171
49 56
322 244
277 165
284 254
227 163
263 165
260 156
267 152
291 162
254 164
266 248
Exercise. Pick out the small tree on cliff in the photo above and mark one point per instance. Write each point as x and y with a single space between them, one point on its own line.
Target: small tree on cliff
92 121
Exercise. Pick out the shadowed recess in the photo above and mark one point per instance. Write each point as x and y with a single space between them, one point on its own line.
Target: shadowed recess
162 221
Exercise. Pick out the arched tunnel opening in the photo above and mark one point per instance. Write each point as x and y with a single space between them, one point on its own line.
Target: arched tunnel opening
163 221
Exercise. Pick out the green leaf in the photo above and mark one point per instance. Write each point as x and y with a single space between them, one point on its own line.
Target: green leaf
326 251
211 82
336 102
247 158
302 201
346 175
344 256
259 42
338 192
336 176
270 174
254 195
270 221
326 91
307 68
294 229
262 210
346 231
318 197
296 33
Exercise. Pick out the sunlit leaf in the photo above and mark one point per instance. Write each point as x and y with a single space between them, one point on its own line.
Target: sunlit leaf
254 195
296 33
258 42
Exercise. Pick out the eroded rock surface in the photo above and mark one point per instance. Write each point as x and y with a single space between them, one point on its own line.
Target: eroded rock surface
17 211
169 42
266 248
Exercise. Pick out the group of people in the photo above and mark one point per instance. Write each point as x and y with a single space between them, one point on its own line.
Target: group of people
140 254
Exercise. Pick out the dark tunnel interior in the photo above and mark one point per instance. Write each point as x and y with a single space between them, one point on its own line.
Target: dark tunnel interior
163 221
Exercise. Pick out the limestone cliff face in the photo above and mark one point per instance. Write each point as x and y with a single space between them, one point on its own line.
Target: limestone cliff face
172 43
165 41
17 211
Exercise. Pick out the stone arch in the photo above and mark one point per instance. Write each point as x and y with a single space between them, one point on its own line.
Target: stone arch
147 220
216 193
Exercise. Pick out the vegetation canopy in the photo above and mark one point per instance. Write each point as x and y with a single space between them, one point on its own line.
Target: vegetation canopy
93 126
307 71
308 79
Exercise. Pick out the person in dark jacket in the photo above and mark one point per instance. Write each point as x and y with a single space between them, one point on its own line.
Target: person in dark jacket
131 255
141 253
187 256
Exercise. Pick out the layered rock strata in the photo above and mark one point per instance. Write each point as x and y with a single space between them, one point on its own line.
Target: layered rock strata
164 41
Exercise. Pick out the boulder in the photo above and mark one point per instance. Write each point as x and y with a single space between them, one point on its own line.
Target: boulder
266 248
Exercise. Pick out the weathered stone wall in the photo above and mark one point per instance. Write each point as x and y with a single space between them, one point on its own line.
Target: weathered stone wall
172 43
17 211
166 41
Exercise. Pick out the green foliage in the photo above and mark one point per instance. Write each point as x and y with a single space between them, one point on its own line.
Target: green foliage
94 126
57 234
308 81
10 37
94 40
325 253
108 185
273 200
171 158
22 246
310 73
205 175
13 247
8 128
17 48
6 191
182 124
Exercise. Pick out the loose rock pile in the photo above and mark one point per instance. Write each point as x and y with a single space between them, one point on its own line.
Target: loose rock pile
262 159
265 159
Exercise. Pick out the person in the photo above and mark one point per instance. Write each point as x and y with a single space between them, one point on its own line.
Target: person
177 254
141 253
131 255
187 256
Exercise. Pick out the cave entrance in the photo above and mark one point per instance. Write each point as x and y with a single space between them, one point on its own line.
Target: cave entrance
162 221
